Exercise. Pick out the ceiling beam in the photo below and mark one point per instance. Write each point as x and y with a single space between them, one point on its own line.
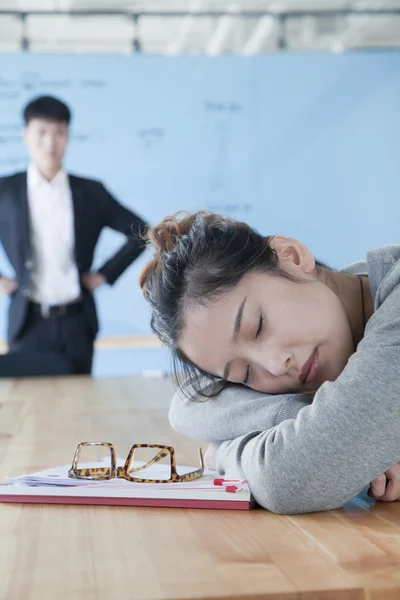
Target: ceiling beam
261 32
246 14
177 46
352 33
221 33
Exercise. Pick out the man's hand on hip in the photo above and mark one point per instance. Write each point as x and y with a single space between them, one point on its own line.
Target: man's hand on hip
92 281
7 286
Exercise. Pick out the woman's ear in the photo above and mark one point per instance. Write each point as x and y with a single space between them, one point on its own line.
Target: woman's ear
292 254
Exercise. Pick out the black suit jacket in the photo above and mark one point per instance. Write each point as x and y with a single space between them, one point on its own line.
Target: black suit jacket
94 208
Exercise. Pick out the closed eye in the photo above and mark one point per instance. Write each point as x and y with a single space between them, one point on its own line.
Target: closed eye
247 377
260 326
259 331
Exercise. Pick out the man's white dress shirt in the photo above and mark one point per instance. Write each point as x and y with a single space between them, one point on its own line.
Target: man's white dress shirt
55 277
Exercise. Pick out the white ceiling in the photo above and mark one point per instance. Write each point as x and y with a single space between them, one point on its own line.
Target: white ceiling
186 33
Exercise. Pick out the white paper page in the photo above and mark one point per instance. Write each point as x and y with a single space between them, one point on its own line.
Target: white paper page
58 477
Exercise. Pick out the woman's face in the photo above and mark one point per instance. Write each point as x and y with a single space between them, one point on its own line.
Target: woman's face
272 334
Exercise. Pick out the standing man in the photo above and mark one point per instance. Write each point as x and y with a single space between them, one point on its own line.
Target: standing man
50 223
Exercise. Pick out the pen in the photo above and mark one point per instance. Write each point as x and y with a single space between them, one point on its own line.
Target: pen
220 481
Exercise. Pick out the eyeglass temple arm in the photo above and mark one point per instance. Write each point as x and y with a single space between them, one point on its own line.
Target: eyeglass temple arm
159 456
201 458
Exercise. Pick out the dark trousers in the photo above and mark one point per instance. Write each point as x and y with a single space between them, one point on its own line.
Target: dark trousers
68 335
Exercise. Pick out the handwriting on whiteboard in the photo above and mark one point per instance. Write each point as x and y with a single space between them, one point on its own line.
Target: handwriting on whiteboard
31 81
150 136
223 107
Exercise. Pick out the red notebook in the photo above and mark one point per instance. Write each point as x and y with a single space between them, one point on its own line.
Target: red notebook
53 486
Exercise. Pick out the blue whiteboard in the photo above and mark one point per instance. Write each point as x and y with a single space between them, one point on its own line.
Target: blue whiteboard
303 145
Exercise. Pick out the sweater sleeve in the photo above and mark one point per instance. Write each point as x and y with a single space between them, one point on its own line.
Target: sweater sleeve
234 412
334 447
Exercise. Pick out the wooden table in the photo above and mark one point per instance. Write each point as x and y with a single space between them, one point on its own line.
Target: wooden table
83 552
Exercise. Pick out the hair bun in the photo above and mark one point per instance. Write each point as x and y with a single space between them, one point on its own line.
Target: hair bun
164 237
167 234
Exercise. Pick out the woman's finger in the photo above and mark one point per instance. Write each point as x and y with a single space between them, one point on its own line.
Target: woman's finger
392 492
378 487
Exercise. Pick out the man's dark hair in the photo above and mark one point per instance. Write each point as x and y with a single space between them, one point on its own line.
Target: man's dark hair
48 108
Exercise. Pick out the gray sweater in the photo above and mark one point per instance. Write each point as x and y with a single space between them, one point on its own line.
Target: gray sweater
300 455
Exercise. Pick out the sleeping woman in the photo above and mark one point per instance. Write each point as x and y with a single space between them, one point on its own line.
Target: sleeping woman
291 370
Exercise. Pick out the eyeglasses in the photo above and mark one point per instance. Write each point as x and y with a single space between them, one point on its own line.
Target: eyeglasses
113 471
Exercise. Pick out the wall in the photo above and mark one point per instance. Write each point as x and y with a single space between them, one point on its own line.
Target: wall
303 145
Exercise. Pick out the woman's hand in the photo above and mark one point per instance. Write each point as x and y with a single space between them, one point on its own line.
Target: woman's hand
386 487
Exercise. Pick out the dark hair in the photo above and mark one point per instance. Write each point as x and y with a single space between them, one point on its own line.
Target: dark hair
48 108
198 257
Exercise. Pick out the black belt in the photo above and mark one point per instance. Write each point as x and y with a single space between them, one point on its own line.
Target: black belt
56 310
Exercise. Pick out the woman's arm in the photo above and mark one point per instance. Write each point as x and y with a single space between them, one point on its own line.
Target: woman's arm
234 412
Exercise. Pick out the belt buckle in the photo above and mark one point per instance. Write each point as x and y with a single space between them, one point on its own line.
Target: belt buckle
62 310
45 311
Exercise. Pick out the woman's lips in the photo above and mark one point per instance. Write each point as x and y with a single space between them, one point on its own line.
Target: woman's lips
310 368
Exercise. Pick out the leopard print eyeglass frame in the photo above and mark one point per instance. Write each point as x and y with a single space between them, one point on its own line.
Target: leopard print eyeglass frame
113 471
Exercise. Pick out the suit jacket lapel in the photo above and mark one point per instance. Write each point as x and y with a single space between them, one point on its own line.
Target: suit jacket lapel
23 229
78 206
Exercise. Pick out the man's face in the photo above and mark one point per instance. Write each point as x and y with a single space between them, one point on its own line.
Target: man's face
46 142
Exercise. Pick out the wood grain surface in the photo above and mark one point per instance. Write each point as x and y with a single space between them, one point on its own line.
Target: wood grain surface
102 553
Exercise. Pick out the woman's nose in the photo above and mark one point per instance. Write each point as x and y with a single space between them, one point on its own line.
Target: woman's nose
279 363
